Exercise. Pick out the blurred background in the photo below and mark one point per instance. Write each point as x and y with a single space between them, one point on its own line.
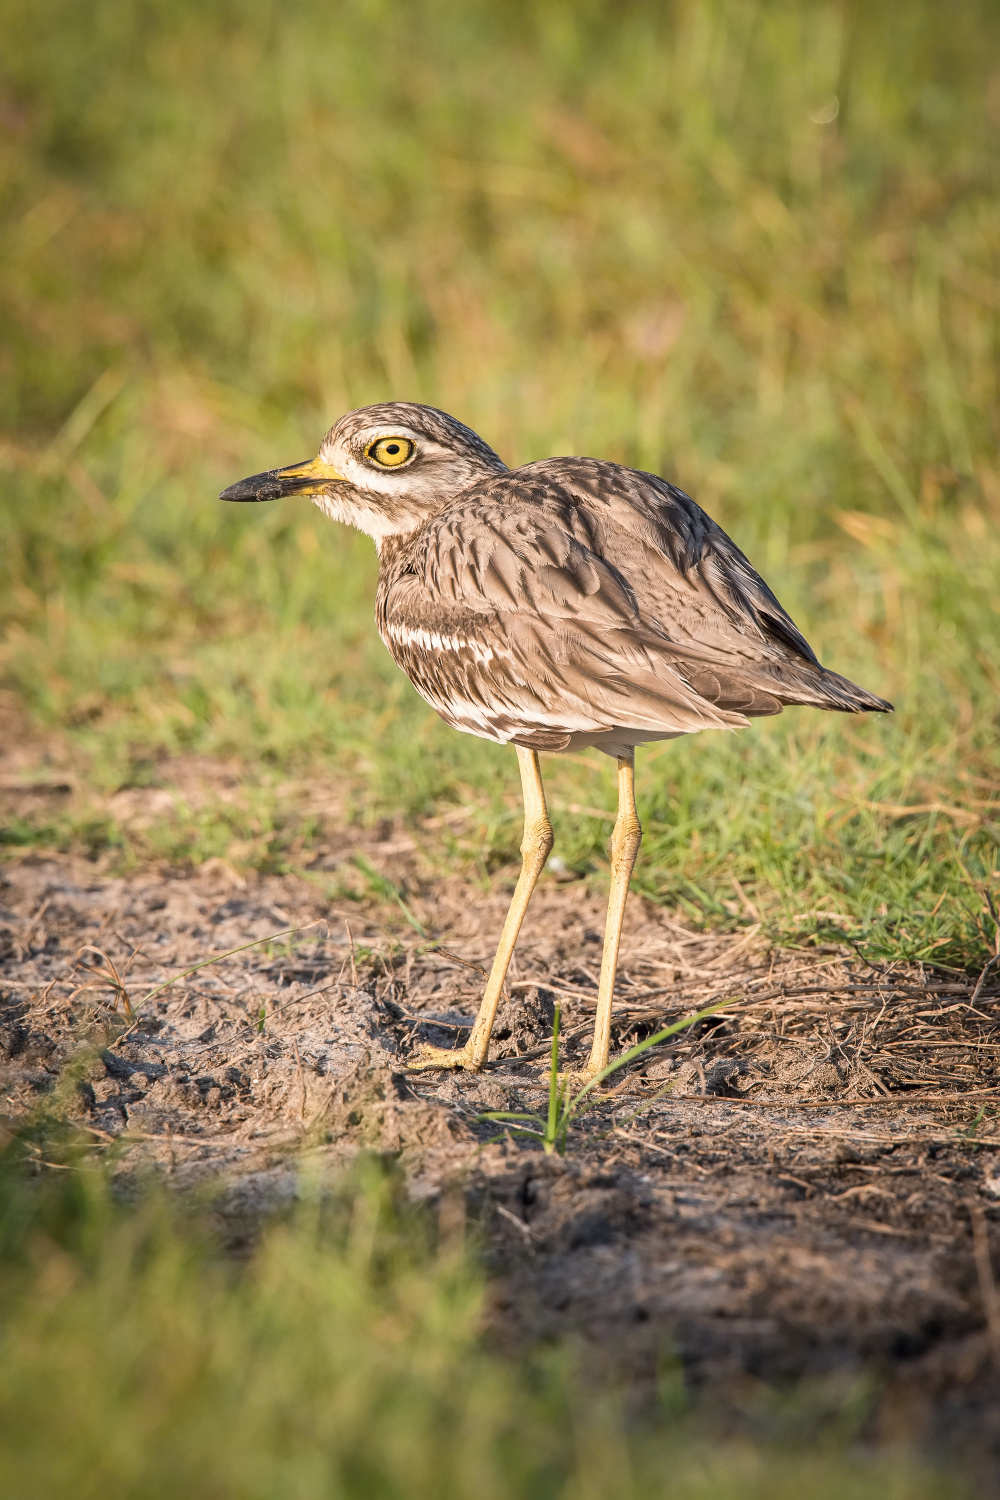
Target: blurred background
748 244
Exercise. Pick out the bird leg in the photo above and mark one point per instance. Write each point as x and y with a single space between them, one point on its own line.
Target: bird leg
625 841
536 846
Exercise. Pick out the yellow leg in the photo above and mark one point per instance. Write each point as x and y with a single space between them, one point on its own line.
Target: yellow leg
536 846
625 841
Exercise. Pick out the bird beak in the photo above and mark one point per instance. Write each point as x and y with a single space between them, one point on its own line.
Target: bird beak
310 478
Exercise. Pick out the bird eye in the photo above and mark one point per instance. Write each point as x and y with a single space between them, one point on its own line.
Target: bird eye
390 452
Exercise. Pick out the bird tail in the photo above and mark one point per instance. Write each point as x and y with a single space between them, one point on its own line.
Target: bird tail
831 691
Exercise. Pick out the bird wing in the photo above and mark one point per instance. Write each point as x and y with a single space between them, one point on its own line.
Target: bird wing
576 597
696 580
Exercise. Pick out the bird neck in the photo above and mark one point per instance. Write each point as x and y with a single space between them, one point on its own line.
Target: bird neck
381 522
392 553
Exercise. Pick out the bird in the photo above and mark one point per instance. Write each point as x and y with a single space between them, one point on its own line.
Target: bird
566 604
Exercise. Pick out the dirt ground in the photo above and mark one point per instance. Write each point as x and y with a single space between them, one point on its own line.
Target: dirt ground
804 1185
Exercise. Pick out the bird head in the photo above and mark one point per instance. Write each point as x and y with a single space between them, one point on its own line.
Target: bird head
384 469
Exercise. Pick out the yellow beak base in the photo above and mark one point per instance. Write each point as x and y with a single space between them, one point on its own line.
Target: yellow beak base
310 478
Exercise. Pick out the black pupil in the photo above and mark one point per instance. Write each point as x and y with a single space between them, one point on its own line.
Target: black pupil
392 447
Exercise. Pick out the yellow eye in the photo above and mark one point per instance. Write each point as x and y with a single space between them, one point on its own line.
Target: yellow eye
390 452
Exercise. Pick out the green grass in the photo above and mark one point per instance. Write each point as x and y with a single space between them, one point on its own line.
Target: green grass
582 229
343 1356
566 1103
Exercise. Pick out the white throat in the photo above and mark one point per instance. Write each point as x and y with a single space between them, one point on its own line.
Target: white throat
374 523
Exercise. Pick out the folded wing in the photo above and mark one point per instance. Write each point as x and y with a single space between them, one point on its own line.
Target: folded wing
572 597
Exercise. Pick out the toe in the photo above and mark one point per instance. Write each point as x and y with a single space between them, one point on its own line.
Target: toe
442 1057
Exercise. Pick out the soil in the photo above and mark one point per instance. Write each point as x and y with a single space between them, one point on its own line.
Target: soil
805 1184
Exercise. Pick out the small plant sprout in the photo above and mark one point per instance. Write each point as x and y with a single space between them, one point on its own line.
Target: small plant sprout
553 1128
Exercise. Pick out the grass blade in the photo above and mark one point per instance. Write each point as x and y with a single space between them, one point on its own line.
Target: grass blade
641 1047
218 957
503 1114
552 1126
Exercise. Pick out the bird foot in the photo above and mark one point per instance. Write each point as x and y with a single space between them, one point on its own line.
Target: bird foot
444 1057
575 1079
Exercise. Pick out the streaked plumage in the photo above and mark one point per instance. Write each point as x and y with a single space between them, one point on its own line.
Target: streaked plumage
573 603
565 604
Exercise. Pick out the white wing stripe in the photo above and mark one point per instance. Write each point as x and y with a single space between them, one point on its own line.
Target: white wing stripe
433 640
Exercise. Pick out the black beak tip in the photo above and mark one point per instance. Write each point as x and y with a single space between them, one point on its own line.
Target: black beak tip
257 487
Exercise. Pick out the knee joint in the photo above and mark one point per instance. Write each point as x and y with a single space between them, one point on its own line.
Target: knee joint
538 841
626 838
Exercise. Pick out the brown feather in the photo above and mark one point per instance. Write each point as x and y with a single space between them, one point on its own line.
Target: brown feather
574 599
